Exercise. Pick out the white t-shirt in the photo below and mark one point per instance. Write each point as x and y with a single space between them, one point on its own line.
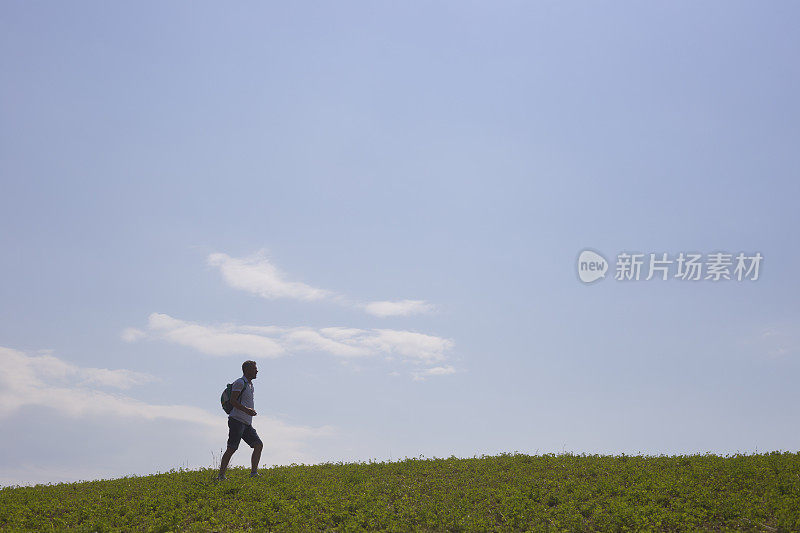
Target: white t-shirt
245 398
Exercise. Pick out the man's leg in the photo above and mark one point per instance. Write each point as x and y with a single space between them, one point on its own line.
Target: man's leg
223 465
256 457
235 431
250 436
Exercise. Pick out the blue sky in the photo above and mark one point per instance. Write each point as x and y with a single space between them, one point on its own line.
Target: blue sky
186 186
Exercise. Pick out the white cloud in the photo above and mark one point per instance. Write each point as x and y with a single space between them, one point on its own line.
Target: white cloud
435 371
777 341
769 332
308 339
257 275
399 308
19 368
218 341
132 334
275 341
50 382
410 345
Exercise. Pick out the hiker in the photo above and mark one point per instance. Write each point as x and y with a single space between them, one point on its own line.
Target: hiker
240 420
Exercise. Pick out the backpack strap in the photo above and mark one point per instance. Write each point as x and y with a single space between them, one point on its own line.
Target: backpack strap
246 383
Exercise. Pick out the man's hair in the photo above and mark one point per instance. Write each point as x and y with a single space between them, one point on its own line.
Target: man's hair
246 364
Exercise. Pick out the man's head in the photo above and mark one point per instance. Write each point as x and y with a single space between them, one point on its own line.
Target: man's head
249 369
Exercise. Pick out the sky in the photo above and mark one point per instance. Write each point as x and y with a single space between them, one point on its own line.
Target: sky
383 204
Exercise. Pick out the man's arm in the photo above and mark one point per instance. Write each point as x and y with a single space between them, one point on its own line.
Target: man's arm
235 403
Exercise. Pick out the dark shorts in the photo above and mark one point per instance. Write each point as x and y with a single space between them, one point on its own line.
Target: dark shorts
238 430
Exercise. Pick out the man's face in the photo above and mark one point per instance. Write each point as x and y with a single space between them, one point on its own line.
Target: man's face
251 372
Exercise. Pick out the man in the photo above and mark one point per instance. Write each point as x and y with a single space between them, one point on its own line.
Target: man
241 418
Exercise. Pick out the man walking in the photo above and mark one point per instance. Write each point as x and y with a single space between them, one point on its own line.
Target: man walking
240 421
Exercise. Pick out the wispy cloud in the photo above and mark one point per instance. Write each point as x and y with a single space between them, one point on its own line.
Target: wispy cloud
399 308
778 340
132 334
257 275
20 369
276 341
51 382
219 341
435 371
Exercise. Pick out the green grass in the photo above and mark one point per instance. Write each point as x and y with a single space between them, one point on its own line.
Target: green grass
510 492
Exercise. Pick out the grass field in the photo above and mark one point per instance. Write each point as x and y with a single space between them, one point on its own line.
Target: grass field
510 492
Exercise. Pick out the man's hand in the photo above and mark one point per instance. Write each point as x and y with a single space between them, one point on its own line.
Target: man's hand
251 412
